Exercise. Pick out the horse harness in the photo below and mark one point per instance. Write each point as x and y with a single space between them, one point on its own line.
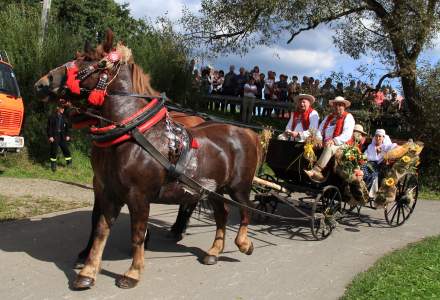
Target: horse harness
140 122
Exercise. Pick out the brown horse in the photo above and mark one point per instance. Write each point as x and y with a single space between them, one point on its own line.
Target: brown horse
125 174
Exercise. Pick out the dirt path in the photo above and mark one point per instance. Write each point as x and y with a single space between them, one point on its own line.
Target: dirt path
37 254
42 188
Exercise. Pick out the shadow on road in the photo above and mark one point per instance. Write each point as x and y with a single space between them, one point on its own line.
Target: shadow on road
58 240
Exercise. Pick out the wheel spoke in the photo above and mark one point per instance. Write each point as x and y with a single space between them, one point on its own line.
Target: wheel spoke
403 212
394 214
398 214
407 208
392 208
404 183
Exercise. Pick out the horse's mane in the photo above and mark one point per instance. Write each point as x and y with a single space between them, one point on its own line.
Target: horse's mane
141 82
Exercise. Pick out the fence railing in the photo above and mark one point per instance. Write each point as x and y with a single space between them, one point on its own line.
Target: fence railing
226 100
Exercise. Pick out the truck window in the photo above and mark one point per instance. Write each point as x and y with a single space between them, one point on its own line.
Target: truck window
8 83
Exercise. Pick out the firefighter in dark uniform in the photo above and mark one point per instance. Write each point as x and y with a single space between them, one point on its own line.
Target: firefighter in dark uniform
58 134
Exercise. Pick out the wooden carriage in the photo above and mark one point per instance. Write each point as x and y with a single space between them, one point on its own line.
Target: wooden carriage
324 203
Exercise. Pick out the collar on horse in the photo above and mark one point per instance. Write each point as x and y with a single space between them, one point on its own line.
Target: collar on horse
143 119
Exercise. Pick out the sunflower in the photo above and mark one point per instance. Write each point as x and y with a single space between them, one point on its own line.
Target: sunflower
351 158
406 159
389 181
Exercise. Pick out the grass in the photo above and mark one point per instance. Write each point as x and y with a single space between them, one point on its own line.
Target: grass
428 194
19 165
409 273
25 207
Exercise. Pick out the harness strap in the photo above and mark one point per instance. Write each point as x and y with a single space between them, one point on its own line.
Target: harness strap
125 128
142 128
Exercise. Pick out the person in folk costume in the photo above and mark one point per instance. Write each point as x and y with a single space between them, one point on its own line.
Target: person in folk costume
301 120
58 135
380 145
335 131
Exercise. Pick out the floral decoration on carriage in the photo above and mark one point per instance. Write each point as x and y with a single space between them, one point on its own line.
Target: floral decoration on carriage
399 162
402 161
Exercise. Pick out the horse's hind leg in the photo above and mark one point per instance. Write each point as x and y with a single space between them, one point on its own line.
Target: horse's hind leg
182 220
242 240
87 276
139 213
220 215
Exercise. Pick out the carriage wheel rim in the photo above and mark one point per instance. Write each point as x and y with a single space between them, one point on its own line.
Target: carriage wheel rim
401 210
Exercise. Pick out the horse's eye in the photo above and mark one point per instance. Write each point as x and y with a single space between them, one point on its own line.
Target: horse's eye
50 77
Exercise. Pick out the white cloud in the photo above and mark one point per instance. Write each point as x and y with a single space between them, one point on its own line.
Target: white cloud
155 8
282 60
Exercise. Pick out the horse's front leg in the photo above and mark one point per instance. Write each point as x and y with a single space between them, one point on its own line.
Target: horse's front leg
82 256
139 213
220 215
87 276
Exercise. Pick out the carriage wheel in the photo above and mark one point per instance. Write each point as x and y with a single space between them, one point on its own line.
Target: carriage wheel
397 212
326 208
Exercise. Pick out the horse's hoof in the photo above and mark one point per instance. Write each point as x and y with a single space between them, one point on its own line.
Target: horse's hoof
125 282
83 282
250 250
210 260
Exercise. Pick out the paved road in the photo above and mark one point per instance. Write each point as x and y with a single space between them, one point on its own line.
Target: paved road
36 257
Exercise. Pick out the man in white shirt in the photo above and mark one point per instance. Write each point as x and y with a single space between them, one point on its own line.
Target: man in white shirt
302 120
249 95
335 131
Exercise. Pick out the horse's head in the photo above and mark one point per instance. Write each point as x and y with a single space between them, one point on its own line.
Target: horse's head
88 75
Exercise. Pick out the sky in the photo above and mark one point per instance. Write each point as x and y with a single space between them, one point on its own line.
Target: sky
311 53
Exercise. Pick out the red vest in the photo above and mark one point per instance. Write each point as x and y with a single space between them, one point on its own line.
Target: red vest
338 127
305 119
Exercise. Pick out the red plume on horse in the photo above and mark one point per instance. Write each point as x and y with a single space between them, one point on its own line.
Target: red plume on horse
224 161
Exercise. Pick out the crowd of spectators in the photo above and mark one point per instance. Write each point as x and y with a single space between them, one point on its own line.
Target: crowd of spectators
255 84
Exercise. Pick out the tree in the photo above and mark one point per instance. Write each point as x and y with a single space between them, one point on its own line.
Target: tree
396 30
159 51
90 18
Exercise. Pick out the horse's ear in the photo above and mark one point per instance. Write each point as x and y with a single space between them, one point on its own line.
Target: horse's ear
108 41
87 47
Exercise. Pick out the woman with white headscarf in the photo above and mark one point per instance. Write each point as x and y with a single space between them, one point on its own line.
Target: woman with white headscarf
379 146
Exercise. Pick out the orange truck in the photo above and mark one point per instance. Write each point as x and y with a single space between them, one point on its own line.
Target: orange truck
11 108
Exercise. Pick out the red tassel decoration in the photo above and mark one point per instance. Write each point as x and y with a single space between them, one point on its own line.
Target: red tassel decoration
72 83
96 97
195 144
